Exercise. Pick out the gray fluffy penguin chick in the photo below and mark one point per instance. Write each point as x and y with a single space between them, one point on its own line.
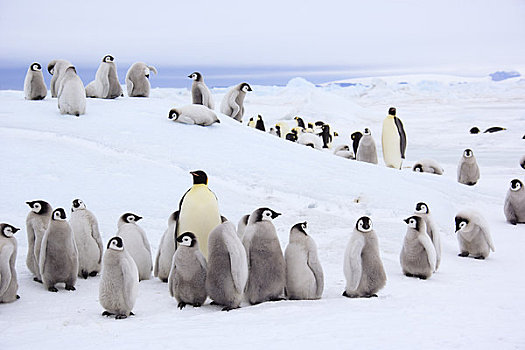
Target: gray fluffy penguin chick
304 273
241 226
233 102
431 229
193 114
71 93
34 86
344 152
8 248
200 94
119 284
514 207
106 84
187 280
363 268
136 242
227 269
59 255
418 255
166 250
37 222
56 68
473 235
468 170
366 151
88 240
137 79
428 166
267 268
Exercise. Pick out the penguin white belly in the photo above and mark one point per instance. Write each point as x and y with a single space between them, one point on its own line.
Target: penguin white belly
300 280
135 247
88 252
391 144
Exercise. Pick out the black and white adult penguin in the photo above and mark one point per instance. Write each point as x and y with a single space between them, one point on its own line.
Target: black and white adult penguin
356 137
292 135
71 93
106 84
56 68
200 94
193 115
34 86
259 124
326 135
37 222
137 79
233 102
199 211
300 122
251 123
514 207
8 248
394 140
166 250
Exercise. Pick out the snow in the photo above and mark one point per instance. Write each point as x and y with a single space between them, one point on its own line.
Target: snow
124 155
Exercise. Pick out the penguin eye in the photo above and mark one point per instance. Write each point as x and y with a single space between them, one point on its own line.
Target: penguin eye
37 207
131 218
412 222
462 224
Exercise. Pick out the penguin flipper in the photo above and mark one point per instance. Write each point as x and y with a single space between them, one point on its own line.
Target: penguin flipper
488 238
316 268
205 94
153 69
233 104
5 268
402 136
129 85
128 284
238 265
353 267
95 233
429 248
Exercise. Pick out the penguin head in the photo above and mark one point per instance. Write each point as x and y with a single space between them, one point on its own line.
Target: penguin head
414 222
59 214
418 168
364 224
245 87
367 131
392 111
196 76
36 67
336 133
300 227
516 185
77 205
199 177
71 68
130 218
263 214
116 243
422 208
356 135
8 230
468 153
475 130
460 222
187 239
39 207
108 59
259 117
174 114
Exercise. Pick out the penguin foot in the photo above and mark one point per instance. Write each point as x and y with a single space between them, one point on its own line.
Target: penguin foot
463 254
84 274
17 296
37 280
481 257
93 273
181 305
370 296
228 308
197 305
131 313
78 115
513 222
421 277
214 303
120 317
70 288
165 280
107 314
52 289
345 294
409 274
277 299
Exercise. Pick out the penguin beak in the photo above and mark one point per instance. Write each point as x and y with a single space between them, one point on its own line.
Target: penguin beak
147 76
406 220
15 230
189 76
274 215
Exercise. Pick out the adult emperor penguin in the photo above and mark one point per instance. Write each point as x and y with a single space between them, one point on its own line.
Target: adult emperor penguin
363 268
304 273
34 86
88 240
468 170
227 269
431 229
326 136
251 123
267 268
136 243
394 140
356 137
71 93
514 207
344 152
187 280
473 235
366 151
428 166
137 79
241 225
233 102
106 84
119 284
259 124
59 255
200 94
199 211
300 122
37 222
8 247
193 114
166 250
56 68
418 255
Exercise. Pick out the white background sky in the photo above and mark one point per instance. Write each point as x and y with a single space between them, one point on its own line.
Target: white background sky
231 32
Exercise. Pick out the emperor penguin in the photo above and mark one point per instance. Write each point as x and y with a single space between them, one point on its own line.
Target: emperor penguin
166 250
292 136
251 123
56 68
241 226
363 268
473 235
37 222
432 230
119 284
187 279
106 84
282 129
59 255
233 102
522 162
137 79
514 207
428 166
136 242
34 86
199 211
71 93
227 268
267 268
300 122
326 136
468 169
418 255
193 114
259 124
304 273
344 152
310 140
200 94
8 248
356 137
394 140
88 240
366 152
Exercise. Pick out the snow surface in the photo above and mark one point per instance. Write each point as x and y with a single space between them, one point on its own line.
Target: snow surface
125 155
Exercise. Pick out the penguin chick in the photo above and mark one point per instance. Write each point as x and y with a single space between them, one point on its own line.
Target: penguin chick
200 94
137 244
193 114
137 79
356 137
166 249
468 170
418 255
8 249
106 84
344 152
233 102
366 152
71 93
431 229
473 235
34 86
37 222
514 207
427 166
241 226
310 140
57 68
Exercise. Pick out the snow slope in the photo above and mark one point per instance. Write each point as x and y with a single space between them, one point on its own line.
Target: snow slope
125 155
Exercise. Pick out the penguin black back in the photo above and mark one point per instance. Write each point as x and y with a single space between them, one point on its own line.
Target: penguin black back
325 134
356 137
259 125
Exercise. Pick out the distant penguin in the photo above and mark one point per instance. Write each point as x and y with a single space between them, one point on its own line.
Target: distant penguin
136 242
57 68
318 127
273 132
200 94
418 255
119 284
8 248
468 170
522 162
37 222
344 152
251 123
292 136
428 166
473 235
227 268
494 129
267 268
193 114
259 124
282 129
304 273
137 79
326 136
310 140
300 122
363 268
71 93
233 102
241 226
106 84
514 207
166 250
366 152
394 140
87 238
474 130
431 229
34 86
59 255
356 137
187 279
